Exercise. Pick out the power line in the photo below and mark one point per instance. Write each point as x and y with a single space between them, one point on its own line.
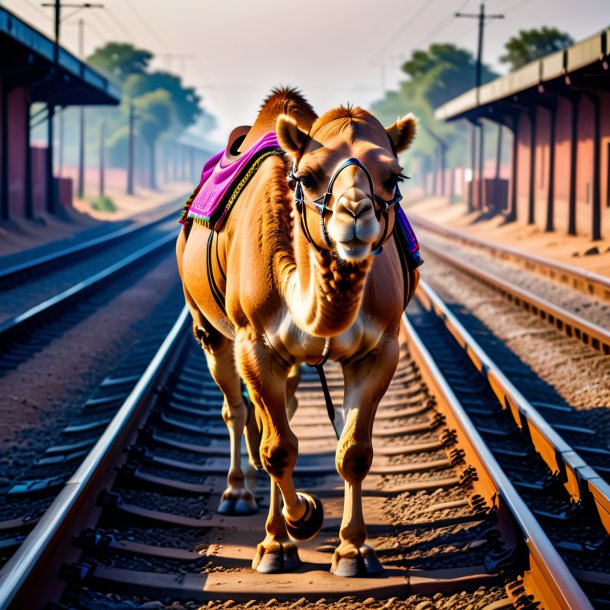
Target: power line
119 25
517 5
147 25
412 18
45 15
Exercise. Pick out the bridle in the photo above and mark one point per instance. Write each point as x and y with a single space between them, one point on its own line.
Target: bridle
320 204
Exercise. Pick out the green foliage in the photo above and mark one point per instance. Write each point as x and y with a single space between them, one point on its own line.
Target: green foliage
433 76
444 71
164 106
533 44
118 60
103 204
154 114
184 100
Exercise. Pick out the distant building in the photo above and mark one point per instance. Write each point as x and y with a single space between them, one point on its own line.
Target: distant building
558 111
33 70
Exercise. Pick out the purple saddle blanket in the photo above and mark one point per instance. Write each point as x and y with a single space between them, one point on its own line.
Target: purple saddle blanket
222 179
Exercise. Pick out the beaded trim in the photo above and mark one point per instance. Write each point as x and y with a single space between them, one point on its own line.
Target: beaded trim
222 212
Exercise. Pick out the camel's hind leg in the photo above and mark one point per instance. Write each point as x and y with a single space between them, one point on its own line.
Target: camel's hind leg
237 498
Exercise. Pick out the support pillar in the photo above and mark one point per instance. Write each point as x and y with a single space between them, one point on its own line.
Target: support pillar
512 214
28 194
4 202
531 218
481 165
498 164
596 208
550 211
50 190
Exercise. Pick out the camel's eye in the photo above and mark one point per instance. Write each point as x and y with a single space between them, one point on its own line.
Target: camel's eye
307 180
392 181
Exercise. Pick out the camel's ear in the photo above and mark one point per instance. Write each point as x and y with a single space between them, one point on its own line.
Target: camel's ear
290 136
402 133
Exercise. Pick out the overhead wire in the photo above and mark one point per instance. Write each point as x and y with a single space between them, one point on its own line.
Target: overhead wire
147 25
412 18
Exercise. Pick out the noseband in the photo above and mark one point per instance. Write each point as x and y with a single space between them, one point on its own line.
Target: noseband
320 204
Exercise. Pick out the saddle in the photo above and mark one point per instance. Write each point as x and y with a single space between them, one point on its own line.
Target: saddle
224 177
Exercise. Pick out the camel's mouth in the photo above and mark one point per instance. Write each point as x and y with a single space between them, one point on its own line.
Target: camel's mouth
354 250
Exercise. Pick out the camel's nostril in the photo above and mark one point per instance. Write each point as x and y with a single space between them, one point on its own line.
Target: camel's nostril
355 209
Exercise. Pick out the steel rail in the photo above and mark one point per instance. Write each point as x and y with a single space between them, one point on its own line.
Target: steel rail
548 576
13 326
28 568
581 481
587 282
89 247
573 325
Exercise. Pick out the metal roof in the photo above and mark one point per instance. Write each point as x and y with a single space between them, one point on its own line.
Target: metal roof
26 53
553 66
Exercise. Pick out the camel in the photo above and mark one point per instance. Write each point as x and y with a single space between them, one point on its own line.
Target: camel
303 287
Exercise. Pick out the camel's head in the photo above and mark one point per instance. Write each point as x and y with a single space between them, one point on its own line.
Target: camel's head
345 172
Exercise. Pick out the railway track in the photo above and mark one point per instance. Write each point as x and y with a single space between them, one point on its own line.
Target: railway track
586 282
460 497
18 273
26 333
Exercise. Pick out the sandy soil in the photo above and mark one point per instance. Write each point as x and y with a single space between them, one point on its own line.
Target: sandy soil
566 249
18 234
66 371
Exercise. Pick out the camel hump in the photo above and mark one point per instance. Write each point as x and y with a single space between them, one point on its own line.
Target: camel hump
281 100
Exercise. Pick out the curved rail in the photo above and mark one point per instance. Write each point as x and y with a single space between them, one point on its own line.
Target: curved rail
553 581
573 325
33 559
581 481
587 282
26 269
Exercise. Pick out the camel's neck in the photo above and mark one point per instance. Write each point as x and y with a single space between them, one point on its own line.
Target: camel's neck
323 294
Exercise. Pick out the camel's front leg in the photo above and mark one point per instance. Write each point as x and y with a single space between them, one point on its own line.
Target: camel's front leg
267 380
365 385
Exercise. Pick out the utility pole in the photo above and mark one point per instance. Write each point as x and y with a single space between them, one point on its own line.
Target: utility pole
81 135
131 149
58 5
102 158
482 17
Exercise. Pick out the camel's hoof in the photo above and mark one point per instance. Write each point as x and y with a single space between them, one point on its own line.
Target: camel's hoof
278 562
308 526
364 564
237 505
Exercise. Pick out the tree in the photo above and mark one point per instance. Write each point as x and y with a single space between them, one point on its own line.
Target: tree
185 100
444 71
434 76
533 44
118 60
164 105
154 115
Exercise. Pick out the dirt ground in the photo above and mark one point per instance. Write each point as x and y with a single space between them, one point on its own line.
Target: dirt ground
18 234
567 249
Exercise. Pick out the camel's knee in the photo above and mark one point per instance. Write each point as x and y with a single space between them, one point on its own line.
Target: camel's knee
234 416
354 459
279 457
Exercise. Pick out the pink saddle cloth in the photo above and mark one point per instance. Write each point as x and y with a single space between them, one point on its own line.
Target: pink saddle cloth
222 179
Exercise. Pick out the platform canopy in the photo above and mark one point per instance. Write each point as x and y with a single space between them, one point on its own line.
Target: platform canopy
583 65
28 60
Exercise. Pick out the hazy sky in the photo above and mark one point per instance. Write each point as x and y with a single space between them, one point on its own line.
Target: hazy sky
336 51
